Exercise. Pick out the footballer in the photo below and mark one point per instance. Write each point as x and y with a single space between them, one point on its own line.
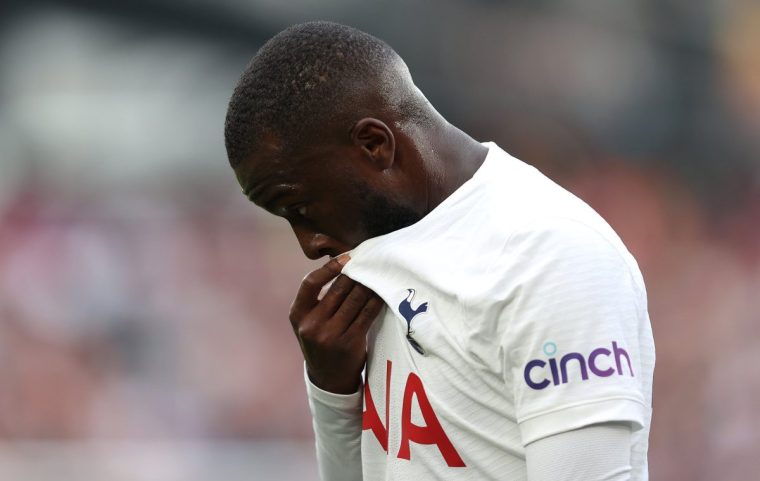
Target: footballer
475 320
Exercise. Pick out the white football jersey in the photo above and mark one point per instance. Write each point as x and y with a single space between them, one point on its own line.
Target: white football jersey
514 312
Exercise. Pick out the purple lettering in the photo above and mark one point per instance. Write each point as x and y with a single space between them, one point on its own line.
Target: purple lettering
581 362
618 352
529 367
592 362
559 369
553 367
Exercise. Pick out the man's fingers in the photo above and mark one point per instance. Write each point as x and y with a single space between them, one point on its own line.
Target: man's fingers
306 298
336 295
347 310
366 316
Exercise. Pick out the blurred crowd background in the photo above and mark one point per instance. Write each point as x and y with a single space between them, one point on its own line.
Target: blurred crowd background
143 300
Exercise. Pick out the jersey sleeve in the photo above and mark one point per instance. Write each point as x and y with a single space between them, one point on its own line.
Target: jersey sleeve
601 452
575 317
337 421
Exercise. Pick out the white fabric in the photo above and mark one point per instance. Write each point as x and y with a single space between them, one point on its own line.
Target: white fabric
509 275
601 452
337 421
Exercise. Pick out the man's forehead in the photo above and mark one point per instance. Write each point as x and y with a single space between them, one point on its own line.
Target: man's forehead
270 164
275 161
270 142
262 167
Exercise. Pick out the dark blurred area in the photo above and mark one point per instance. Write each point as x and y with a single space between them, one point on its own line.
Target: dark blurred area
143 300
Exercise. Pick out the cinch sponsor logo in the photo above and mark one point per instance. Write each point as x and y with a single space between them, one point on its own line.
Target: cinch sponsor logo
601 362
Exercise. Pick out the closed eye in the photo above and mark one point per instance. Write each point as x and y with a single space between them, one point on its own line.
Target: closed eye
295 210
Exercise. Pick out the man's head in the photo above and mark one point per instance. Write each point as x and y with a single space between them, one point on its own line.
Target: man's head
321 130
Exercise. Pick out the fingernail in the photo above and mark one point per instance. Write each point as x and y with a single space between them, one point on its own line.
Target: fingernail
343 259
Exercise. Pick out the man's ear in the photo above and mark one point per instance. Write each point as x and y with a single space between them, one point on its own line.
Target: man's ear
376 141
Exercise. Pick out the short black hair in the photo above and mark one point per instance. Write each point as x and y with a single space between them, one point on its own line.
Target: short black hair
305 78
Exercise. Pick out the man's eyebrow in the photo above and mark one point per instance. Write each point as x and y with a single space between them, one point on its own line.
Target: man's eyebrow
251 190
280 190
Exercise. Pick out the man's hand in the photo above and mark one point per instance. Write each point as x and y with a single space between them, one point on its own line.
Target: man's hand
332 332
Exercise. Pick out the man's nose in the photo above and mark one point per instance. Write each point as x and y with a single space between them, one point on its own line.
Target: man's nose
315 245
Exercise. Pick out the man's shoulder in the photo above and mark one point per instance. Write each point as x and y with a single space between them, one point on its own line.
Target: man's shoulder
517 195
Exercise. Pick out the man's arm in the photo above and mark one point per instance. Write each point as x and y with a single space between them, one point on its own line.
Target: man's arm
579 352
332 332
600 452
337 421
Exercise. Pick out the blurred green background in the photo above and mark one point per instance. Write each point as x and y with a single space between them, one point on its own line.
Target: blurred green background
143 300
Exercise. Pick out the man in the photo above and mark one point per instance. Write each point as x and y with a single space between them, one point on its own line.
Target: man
500 324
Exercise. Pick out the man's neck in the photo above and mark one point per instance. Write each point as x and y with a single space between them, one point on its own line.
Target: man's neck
454 159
